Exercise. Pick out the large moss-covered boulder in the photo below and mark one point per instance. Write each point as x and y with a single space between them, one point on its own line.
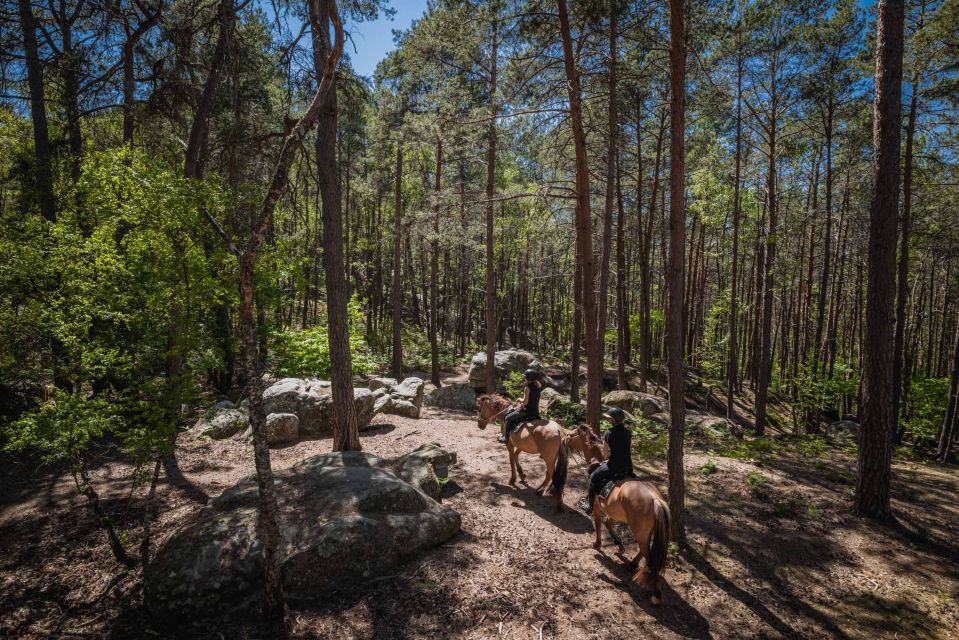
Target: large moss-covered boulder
221 421
504 363
344 517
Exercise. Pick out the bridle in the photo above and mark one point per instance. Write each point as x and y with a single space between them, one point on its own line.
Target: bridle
493 417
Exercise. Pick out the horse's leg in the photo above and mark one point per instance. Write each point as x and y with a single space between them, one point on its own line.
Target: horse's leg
633 564
512 461
550 466
616 539
597 524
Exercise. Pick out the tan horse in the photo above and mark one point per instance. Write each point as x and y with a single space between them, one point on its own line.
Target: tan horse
543 437
636 503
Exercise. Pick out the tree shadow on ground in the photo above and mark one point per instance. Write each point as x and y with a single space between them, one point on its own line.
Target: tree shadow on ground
569 519
675 613
174 475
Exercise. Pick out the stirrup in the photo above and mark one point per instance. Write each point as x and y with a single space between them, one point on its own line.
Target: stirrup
585 507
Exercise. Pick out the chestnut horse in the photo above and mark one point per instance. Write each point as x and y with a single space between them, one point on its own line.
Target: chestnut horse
544 437
635 502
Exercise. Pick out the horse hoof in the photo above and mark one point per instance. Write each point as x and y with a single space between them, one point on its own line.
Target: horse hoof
597 545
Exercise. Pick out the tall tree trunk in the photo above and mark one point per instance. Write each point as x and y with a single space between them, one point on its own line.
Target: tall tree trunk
677 233
584 231
434 269
875 440
622 308
577 346
491 311
397 297
765 344
902 293
198 128
827 250
733 358
612 129
43 172
645 273
346 435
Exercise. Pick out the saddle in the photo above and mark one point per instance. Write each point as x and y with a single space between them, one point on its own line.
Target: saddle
612 484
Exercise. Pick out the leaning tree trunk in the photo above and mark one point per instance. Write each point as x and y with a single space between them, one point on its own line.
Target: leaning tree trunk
584 231
38 114
346 435
949 421
267 522
677 233
875 440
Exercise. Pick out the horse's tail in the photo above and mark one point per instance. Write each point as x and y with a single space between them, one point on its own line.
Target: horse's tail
559 473
659 545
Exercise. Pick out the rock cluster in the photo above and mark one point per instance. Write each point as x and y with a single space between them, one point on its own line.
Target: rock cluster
504 363
403 398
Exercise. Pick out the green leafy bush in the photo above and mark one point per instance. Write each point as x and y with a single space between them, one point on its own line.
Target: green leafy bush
708 469
927 406
514 384
755 478
306 353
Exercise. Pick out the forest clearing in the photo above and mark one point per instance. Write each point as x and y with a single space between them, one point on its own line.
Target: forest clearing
479 319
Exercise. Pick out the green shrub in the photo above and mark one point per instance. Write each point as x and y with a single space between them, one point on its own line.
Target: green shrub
566 413
650 440
306 353
514 384
755 479
708 469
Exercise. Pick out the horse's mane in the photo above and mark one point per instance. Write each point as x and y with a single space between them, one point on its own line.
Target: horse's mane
495 399
589 433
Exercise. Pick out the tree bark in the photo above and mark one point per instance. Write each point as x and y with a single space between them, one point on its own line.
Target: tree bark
346 435
875 440
491 311
584 231
612 129
38 114
733 357
434 268
677 233
397 297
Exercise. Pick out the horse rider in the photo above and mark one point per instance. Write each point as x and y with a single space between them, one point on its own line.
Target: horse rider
617 447
528 409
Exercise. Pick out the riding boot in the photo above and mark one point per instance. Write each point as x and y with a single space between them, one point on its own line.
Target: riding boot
587 504
504 437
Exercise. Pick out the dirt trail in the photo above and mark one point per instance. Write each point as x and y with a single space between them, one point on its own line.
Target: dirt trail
778 559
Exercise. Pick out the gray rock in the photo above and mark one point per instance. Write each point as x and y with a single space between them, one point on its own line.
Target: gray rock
380 403
504 363
382 383
704 426
410 390
310 400
344 517
221 425
282 428
843 429
222 404
460 397
399 407
636 402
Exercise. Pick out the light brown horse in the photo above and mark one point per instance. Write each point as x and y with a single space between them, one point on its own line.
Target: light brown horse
543 437
635 502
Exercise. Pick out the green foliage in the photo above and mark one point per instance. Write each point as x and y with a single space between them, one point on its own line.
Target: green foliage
514 384
811 446
62 428
306 352
927 406
650 439
755 478
708 469
815 389
566 413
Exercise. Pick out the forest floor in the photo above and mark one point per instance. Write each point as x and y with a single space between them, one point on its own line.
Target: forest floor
773 551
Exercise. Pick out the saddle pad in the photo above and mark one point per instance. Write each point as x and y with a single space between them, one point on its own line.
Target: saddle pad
609 486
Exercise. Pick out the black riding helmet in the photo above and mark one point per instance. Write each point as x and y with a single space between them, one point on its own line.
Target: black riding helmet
531 374
616 414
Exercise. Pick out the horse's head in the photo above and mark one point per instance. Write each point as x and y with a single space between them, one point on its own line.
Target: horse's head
584 440
486 408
